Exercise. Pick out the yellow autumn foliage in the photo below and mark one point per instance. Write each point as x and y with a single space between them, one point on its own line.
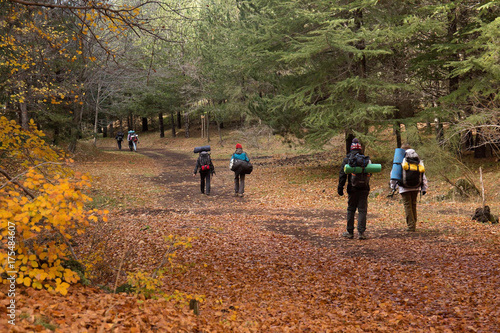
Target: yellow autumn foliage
42 206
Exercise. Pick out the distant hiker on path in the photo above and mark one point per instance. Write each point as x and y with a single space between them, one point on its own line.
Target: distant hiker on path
206 167
412 182
358 188
240 171
119 138
133 140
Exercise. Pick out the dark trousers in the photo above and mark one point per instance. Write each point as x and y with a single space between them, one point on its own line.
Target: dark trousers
119 144
239 183
358 199
205 182
410 203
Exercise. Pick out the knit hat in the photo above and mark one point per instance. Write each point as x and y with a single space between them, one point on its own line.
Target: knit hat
238 145
411 153
355 144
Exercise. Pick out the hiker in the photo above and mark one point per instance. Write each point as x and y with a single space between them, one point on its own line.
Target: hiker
119 138
239 174
409 189
133 140
357 194
206 167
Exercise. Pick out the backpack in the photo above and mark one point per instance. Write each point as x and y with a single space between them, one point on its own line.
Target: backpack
358 160
241 166
359 180
413 173
205 161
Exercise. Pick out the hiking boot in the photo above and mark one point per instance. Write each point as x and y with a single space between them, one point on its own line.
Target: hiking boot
348 235
241 195
361 236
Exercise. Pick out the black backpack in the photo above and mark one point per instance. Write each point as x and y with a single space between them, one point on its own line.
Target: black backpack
359 180
413 177
358 160
205 161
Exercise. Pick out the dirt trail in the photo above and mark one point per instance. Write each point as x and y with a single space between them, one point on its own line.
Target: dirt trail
184 194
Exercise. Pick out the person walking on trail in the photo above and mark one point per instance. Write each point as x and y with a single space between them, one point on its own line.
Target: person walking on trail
239 176
119 138
413 181
133 140
206 167
357 191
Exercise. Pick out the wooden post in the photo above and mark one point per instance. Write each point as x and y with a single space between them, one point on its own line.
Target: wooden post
202 126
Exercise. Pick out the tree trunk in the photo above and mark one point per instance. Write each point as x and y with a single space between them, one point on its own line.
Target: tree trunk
479 146
172 120
349 136
439 130
452 29
186 124
24 116
207 125
144 124
96 121
179 122
105 130
397 131
162 126
220 133
130 125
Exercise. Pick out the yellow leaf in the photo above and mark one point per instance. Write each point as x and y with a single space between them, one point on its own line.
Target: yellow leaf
27 281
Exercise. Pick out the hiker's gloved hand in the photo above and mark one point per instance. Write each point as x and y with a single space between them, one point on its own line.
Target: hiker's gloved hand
424 192
340 191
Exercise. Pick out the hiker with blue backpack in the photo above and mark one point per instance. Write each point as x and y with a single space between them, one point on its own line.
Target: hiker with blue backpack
411 180
358 188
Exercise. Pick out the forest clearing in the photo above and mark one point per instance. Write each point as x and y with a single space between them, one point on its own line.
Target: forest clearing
274 260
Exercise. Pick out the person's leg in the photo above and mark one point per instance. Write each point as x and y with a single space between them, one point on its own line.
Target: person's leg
414 198
202 182
362 211
407 202
119 145
242 184
352 203
207 185
236 183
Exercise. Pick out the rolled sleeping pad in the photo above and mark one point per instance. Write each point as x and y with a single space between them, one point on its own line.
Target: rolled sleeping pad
397 170
370 168
200 149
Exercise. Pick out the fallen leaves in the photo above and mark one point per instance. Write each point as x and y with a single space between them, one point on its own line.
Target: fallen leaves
273 261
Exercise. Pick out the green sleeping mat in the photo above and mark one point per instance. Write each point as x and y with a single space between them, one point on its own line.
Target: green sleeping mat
370 168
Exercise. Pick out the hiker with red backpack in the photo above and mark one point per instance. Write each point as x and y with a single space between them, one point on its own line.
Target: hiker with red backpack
358 188
206 167
412 182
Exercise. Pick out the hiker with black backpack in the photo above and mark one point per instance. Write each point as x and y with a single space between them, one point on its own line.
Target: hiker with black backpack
206 167
240 164
412 182
358 188
119 138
